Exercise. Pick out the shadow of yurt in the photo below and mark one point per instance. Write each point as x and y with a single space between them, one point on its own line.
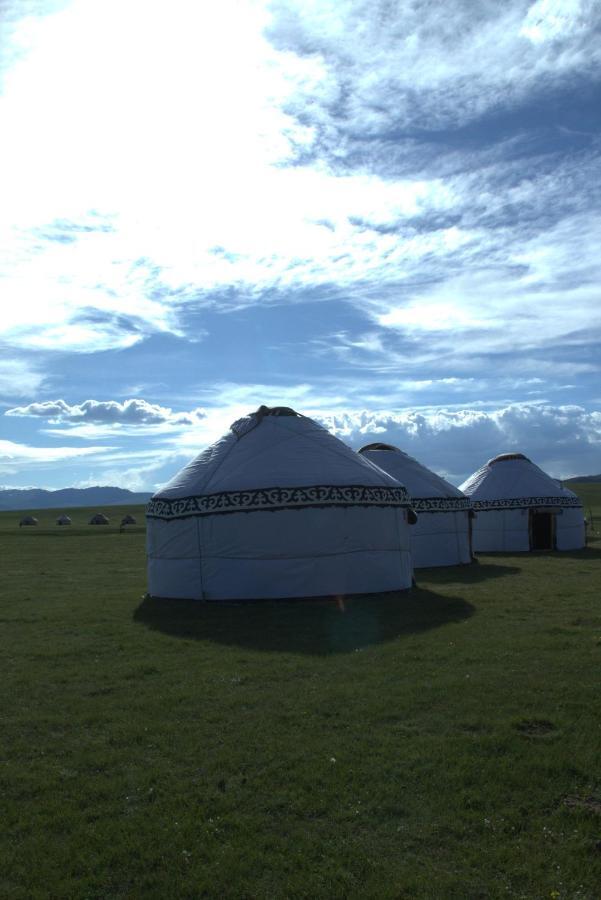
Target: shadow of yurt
317 626
482 569
590 552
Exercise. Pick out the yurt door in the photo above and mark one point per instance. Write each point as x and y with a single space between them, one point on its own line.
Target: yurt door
542 531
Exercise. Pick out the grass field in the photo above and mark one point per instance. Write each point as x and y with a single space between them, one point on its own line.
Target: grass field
442 743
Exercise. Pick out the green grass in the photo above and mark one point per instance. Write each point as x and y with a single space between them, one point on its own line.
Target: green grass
442 743
590 494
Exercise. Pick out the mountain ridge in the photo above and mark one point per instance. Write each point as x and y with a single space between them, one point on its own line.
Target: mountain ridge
578 479
106 495
39 498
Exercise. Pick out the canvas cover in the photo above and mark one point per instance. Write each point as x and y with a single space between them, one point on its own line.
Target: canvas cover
441 535
508 492
278 507
28 520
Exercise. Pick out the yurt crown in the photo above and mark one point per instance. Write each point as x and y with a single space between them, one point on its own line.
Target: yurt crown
504 457
247 423
275 411
378 446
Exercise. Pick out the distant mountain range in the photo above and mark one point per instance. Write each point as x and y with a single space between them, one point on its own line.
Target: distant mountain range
580 478
36 498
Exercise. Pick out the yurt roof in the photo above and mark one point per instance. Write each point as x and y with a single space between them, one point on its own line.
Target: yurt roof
128 520
99 519
270 450
512 476
64 520
422 484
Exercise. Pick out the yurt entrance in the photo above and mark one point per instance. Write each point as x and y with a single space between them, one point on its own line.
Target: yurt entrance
542 530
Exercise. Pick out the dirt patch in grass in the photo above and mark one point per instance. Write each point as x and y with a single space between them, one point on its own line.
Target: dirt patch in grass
590 804
535 727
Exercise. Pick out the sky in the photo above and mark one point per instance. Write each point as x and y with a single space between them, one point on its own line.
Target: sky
385 215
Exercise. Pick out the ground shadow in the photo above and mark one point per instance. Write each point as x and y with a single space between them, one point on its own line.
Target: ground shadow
313 626
478 570
590 552
488 557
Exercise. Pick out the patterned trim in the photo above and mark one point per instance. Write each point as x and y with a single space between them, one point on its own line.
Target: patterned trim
276 498
440 504
525 502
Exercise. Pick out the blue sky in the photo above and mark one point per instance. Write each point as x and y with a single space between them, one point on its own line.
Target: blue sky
385 215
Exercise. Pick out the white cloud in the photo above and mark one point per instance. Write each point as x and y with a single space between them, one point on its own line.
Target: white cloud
19 378
563 440
138 188
13 454
107 412
548 20
431 65
452 440
548 288
142 476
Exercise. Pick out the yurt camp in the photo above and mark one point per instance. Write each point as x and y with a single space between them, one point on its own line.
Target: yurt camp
278 507
442 533
63 520
520 507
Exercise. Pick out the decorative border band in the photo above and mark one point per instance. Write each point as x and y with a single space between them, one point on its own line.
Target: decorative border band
440 504
525 502
277 498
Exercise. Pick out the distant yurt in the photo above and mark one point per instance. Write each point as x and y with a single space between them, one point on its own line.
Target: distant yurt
278 507
99 519
441 535
63 520
520 507
28 520
127 520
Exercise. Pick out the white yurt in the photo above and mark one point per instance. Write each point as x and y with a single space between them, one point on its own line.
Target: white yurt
99 519
278 507
28 520
520 507
63 520
442 533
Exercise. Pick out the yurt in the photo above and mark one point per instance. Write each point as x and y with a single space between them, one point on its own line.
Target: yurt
99 519
441 535
28 520
128 520
278 507
63 520
520 507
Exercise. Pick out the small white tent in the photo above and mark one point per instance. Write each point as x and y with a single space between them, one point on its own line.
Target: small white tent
99 519
441 536
278 507
28 520
520 507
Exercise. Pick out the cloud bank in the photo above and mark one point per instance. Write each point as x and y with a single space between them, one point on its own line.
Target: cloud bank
107 412
563 440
